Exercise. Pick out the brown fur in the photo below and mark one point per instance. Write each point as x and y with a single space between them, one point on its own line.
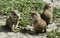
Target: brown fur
47 13
13 20
38 23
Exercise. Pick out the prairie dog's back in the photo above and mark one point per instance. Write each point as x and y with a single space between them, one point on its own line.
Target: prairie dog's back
38 23
47 13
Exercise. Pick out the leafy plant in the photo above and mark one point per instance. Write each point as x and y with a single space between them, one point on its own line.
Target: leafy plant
53 34
24 6
56 12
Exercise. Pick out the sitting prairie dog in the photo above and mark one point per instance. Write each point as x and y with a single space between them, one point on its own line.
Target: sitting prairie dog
13 20
47 13
38 23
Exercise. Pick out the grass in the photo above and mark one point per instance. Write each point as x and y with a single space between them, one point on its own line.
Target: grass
56 12
53 34
25 7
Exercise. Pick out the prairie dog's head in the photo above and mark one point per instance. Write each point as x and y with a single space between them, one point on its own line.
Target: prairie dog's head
48 5
35 15
16 14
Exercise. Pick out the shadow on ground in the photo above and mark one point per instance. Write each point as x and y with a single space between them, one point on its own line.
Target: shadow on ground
23 31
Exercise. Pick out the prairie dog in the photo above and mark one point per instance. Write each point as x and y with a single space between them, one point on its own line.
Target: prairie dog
47 13
38 23
13 20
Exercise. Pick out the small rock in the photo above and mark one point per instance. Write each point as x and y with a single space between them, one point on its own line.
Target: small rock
29 27
58 30
3 35
51 27
10 33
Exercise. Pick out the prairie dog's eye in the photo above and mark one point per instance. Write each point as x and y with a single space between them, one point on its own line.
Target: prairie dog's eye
14 14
